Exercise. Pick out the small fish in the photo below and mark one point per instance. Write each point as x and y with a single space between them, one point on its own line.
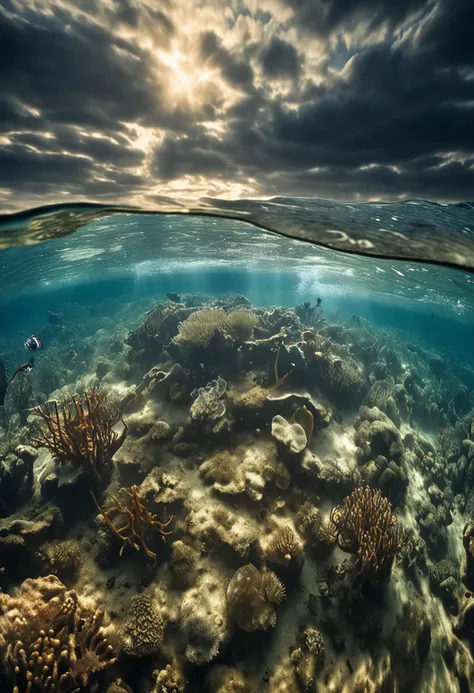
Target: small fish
24 368
33 343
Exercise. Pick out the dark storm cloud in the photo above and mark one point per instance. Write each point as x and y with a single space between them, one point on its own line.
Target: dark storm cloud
325 16
38 174
280 60
279 110
402 106
180 157
117 153
237 72
19 165
75 72
446 38
413 114
452 181
127 12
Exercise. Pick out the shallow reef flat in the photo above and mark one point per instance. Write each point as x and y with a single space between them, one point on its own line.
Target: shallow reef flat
202 495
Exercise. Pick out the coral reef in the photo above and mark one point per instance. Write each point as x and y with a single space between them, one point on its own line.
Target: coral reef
82 432
241 323
199 328
19 394
208 403
250 598
142 630
203 622
50 640
136 522
169 680
365 526
65 557
318 476
245 470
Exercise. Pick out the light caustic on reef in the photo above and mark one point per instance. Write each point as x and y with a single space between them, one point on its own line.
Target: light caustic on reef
184 471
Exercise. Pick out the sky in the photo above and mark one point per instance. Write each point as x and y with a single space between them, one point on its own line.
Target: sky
135 100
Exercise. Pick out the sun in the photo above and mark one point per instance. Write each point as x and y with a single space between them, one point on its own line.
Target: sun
185 76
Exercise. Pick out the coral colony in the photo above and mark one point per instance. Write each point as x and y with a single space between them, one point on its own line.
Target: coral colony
202 495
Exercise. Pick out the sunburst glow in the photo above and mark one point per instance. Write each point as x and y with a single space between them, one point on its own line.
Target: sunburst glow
185 76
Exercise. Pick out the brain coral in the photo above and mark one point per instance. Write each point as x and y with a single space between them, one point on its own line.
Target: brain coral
142 629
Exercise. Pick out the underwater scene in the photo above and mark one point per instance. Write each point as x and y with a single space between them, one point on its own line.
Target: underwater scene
234 460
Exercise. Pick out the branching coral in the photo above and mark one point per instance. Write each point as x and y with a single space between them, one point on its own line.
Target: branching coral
81 432
279 381
365 526
138 522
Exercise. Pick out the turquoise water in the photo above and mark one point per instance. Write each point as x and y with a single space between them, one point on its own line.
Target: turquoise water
133 257
290 425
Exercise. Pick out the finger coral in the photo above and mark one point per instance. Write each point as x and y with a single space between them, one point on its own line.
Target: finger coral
82 432
62 659
365 526
51 641
91 652
138 521
169 680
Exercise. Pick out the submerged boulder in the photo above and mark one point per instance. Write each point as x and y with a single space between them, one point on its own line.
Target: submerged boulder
290 437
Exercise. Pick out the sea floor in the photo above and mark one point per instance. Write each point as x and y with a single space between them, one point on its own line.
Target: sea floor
198 494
